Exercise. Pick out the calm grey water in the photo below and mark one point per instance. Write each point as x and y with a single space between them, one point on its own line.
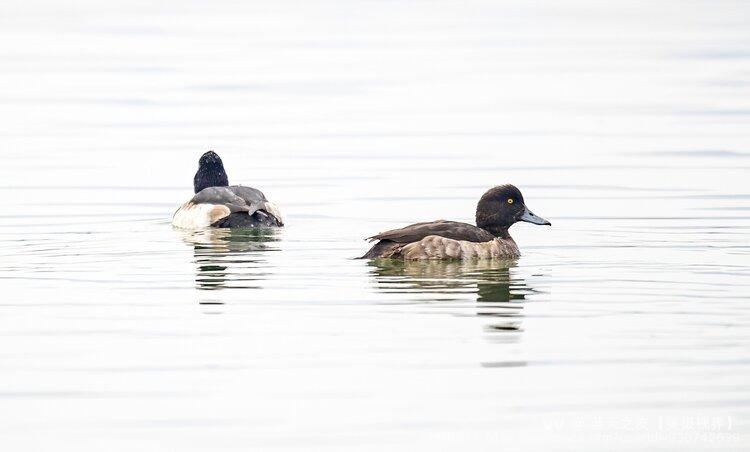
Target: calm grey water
625 326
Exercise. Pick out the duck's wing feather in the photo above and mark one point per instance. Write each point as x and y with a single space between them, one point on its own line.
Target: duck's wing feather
450 229
236 198
255 197
249 194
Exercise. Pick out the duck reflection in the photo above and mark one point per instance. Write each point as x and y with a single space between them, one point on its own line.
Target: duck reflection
492 284
230 258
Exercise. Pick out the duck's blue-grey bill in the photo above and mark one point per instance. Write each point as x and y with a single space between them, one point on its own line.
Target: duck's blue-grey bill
529 217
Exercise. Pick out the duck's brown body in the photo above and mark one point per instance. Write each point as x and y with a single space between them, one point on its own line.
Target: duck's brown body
437 247
441 240
497 210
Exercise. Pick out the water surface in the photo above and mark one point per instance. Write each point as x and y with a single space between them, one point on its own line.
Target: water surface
624 326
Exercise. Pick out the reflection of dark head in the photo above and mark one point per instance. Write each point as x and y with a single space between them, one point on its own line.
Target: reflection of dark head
230 258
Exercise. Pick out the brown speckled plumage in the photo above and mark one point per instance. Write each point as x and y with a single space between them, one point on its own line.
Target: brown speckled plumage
436 247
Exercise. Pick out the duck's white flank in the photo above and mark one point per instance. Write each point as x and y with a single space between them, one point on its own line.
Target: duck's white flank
273 210
196 216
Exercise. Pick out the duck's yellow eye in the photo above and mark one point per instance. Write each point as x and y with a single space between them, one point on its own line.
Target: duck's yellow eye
510 200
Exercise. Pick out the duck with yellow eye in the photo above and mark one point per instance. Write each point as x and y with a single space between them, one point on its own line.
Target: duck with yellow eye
498 209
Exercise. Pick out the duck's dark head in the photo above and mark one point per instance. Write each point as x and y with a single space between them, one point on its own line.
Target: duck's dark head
210 172
501 207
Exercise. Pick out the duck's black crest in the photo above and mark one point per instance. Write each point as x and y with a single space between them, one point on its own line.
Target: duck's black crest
210 172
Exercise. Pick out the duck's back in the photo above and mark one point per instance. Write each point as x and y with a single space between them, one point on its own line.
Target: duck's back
232 206
450 229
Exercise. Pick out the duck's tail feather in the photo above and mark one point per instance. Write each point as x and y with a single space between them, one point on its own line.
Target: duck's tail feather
384 248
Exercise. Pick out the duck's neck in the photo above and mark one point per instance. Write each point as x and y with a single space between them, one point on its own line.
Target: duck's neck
490 221
497 231
210 176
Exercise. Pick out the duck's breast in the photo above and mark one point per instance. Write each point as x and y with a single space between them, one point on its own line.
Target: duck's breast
196 216
436 247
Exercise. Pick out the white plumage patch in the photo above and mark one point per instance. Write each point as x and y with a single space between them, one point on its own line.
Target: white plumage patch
196 216
273 210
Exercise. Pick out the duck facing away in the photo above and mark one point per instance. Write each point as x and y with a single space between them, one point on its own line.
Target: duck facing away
498 209
218 204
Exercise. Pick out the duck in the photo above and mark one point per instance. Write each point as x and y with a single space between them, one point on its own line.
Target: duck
498 209
220 205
